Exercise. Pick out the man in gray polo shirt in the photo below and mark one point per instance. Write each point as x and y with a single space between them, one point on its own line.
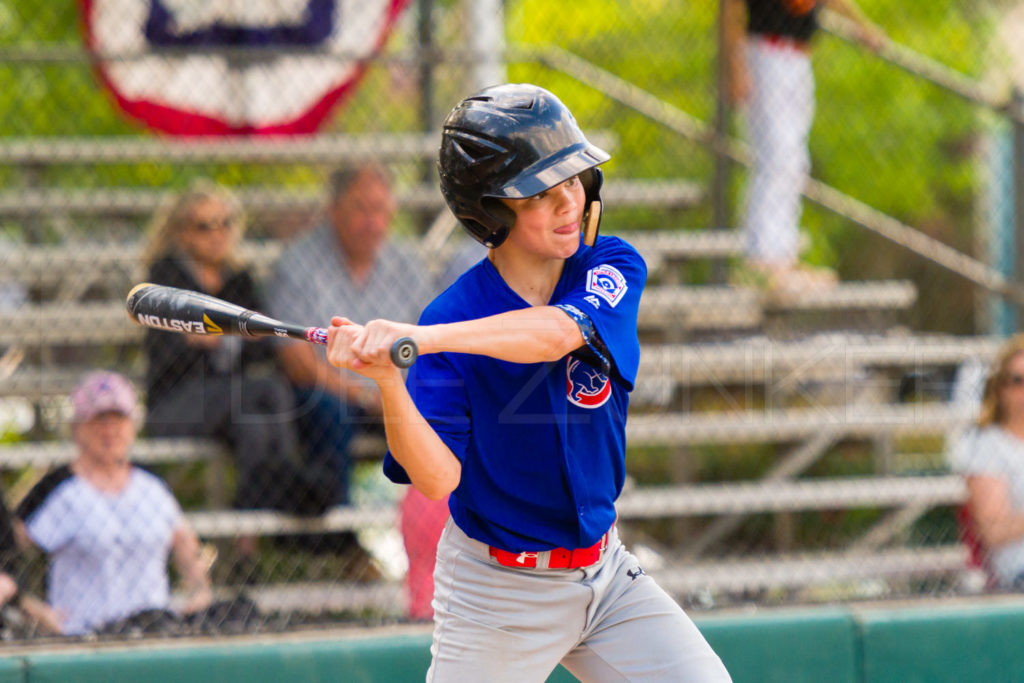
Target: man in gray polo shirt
348 265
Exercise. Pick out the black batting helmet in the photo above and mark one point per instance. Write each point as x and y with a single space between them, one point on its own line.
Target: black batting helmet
511 141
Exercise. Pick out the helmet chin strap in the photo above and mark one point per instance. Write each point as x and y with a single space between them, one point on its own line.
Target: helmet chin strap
592 223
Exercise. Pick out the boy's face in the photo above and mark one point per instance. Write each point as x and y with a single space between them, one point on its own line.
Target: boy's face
548 224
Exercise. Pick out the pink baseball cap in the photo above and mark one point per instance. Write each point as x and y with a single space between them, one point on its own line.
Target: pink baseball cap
103 392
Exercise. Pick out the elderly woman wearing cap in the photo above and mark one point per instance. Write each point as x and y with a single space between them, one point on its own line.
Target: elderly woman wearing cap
108 526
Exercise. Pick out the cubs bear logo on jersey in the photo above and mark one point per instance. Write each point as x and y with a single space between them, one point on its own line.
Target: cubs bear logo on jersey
607 282
585 386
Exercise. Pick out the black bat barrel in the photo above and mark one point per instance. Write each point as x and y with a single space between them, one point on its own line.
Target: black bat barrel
182 310
185 311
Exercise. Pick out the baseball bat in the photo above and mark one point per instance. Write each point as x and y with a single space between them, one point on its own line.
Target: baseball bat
188 312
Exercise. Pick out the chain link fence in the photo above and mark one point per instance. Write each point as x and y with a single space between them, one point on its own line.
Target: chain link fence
808 360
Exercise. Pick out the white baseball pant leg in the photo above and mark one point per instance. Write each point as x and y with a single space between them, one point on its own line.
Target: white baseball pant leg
608 622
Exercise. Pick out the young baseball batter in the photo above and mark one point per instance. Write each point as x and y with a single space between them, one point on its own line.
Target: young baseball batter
517 408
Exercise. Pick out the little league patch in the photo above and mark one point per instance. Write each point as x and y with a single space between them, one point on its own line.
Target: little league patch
607 282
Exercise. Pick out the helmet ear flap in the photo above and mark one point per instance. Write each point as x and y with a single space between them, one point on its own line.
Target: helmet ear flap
484 235
592 181
499 210
503 216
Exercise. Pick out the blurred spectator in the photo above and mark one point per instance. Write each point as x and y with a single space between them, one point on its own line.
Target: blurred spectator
348 264
10 591
223 387
768 57
422 520
15 412
107 526
991 457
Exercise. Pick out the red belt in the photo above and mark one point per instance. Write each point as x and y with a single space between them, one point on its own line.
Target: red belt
557 558
784 42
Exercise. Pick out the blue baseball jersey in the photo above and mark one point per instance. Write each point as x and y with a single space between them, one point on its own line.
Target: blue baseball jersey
542 445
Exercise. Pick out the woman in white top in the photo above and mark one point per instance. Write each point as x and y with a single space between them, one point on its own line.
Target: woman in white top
991 457
107 526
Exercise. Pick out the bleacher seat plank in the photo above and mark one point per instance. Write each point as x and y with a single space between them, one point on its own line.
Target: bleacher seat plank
328 149
809 569
34 383
738 576
888 294
790 495
142 202
144 452
656 245
725 307
782 425
647 502
151 451
320 597
47 265
822 356
699 307
64 323
229 523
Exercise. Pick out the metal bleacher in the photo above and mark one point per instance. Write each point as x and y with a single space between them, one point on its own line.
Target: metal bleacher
849 342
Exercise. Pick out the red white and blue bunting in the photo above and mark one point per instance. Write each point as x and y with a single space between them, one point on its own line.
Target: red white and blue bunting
197 67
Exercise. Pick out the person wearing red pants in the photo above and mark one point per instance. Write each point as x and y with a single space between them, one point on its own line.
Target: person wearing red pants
421 521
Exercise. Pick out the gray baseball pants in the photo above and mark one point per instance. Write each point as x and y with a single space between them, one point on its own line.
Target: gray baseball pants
606 622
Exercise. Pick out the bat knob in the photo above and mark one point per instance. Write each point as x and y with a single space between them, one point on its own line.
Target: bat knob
404 352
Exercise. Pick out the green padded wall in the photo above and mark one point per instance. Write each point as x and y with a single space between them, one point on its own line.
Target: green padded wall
949 644
811 645
12 670
357 660
977 643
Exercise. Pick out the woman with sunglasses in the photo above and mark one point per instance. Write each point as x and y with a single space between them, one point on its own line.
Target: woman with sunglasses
991 457
220 387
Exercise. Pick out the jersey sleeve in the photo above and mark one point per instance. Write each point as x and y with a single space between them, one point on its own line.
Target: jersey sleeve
51 523
604 300
48 516
439 392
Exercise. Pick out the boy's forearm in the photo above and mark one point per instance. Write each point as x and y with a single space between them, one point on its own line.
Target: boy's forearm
531 335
